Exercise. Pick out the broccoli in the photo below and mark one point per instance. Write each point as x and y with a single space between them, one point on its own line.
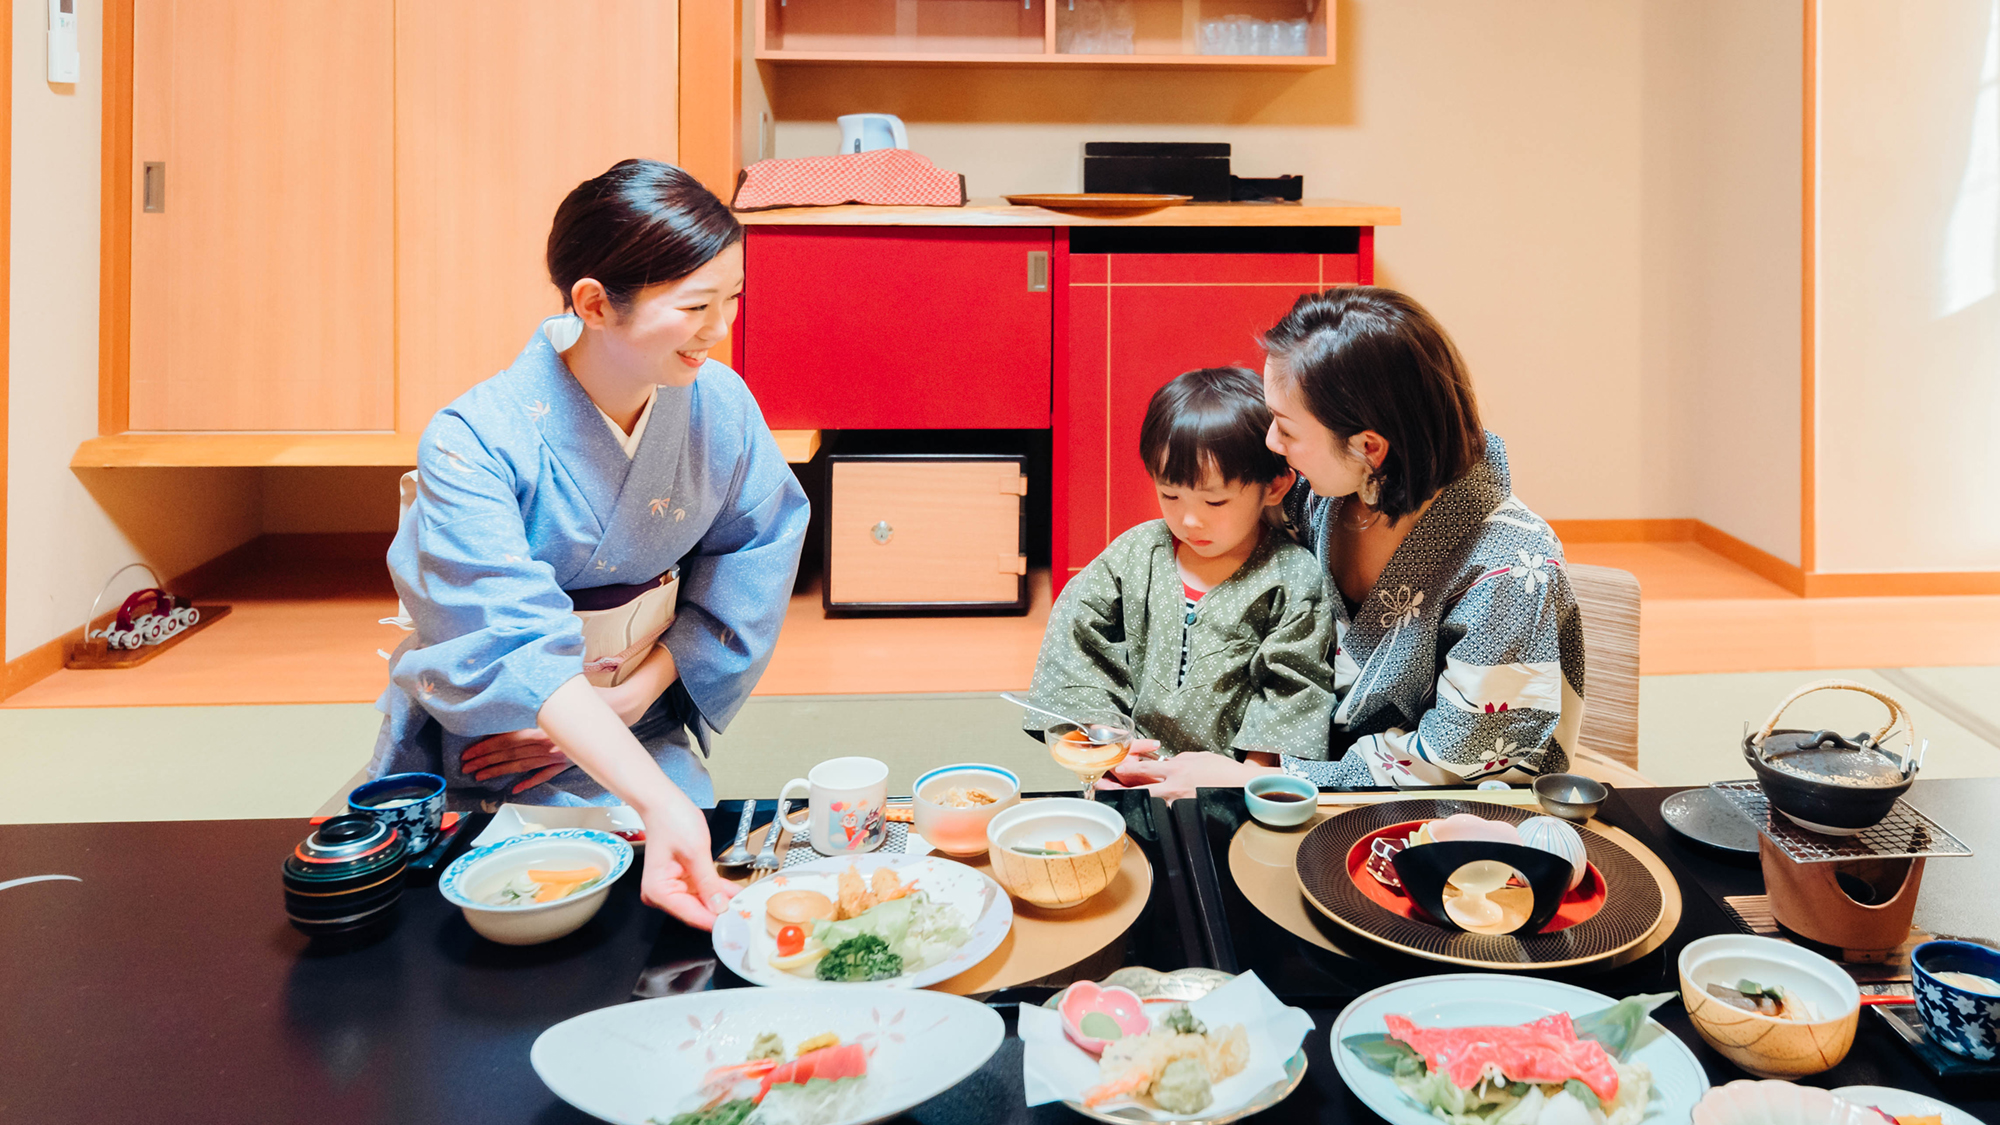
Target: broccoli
863 957
1182 1020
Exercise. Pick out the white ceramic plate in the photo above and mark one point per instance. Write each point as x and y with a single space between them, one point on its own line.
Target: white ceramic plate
631 1062
519 820
1479 999
742 944
1902 1103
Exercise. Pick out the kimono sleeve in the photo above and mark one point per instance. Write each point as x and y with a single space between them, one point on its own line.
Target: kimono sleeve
495 635
1085 666
737 582
1509 695
1293 704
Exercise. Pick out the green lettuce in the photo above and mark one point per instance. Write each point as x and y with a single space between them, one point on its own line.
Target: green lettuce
888 921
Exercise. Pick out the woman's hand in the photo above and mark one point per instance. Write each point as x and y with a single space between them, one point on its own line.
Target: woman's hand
679 876
1179 776
528 751
650 680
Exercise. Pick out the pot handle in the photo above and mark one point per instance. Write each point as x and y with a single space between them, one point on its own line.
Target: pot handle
1897 712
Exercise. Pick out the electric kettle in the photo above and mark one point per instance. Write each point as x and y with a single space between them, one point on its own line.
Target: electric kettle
865 132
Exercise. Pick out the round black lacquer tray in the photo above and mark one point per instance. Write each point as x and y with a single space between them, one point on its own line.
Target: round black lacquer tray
1633 907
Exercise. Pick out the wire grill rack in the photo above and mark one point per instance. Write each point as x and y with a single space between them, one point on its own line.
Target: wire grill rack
1904 834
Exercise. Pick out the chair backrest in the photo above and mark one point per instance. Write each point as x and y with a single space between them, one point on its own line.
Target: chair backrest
1608 599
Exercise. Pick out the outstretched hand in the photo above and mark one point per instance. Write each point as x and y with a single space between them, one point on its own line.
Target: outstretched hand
679 876
1173 778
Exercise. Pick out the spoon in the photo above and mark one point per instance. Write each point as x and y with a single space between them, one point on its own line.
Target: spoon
738 853
1097 732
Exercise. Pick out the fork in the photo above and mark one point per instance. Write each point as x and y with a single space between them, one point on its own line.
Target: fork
767 859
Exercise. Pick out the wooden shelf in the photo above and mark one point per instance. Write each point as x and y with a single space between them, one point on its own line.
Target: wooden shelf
1142 62
274 450
999 213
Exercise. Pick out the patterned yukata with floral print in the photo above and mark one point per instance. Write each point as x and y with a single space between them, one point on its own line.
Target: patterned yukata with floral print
1465 662
1256 673
524 494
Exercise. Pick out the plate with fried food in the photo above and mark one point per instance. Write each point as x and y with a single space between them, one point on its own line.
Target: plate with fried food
900 920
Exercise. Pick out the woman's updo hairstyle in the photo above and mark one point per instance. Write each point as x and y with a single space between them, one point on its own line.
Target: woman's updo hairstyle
640 223
1364 358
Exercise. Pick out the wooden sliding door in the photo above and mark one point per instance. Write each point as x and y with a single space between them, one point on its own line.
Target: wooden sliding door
262 225
503 106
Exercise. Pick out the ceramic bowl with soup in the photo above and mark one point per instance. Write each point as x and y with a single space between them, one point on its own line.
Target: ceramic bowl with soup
526 890
1958 996
1775 1009
1056 853
953 805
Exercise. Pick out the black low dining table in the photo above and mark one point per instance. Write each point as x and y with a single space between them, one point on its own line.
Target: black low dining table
164 984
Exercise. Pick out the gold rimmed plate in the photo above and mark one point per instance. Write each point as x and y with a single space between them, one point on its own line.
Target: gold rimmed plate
1099 202
1633 906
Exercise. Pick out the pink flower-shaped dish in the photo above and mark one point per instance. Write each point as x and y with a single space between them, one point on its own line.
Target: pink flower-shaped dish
1094 1016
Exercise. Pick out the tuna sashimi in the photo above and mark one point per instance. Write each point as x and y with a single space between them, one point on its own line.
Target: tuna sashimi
849 1060
1545 1051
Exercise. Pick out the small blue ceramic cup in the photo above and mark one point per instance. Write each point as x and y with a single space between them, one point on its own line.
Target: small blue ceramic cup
1281 800
1963 1021
411 802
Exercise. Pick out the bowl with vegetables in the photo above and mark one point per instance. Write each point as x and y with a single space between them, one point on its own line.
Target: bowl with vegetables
1056 853
881 918
529 889
1773 1008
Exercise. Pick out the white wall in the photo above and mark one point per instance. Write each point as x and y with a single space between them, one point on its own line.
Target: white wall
67 532
1507 133
1720 295
1909 323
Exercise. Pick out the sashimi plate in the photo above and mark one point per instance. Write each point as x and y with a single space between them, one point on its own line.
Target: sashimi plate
1486 1000
631 1063
742 944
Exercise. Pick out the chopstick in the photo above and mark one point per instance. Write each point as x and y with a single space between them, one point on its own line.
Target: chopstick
1886 1000
1491 796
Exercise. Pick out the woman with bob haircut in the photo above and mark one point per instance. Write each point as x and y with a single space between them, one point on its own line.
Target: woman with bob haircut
602 540
1458 651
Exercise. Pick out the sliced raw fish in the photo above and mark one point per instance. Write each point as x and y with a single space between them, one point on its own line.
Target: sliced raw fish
1543 1051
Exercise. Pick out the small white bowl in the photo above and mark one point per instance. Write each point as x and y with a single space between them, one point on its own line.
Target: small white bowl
1766 1045
477 874
1744 1102
961 832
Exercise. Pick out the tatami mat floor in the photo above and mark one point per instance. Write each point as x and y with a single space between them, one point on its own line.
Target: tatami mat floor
267 713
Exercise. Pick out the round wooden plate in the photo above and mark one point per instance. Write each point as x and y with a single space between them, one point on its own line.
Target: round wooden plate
1099 201
1044 943
1635 906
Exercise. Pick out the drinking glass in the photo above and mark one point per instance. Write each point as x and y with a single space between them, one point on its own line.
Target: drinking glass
1089 751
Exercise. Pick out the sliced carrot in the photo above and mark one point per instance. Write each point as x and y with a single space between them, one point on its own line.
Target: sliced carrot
573 875
553 891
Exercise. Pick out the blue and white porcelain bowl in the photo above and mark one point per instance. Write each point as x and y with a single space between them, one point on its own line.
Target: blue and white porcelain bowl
474 878
1961 1020
412 803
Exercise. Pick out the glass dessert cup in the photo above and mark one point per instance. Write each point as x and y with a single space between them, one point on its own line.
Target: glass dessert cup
1088 751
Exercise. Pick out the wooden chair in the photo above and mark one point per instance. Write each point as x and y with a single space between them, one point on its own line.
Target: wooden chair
1608 599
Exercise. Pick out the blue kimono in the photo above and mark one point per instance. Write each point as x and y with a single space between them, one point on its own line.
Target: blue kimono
525 494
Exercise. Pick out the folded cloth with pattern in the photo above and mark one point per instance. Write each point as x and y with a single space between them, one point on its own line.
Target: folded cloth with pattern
893 177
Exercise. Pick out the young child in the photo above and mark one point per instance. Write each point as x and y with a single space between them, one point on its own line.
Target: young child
1204 628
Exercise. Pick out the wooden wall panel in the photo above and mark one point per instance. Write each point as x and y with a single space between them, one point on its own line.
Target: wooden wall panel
502 107
262 296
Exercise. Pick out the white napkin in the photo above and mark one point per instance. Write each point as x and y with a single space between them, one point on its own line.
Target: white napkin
1055 1069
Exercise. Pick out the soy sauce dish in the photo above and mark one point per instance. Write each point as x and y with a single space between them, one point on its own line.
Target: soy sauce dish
488 883
1281 801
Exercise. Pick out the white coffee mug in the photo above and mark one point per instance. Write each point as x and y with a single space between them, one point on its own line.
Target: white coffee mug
846 796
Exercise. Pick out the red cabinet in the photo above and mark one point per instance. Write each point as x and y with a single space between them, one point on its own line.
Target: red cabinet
899 327
1134 322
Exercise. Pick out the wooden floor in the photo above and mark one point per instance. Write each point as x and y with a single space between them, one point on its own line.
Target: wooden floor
317 640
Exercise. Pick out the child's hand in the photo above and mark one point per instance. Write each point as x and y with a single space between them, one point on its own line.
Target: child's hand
1173 778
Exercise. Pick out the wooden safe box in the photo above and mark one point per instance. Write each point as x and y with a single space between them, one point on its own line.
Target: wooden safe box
926 533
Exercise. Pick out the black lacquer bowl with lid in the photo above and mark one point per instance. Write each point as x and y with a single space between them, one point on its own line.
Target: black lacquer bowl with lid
345 878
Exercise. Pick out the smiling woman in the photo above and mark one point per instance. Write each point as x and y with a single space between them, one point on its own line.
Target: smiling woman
613 478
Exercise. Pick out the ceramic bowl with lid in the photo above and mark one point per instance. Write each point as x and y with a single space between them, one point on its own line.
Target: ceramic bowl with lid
345 877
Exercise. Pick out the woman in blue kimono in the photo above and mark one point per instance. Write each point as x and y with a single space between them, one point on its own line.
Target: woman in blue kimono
1458 648
610 453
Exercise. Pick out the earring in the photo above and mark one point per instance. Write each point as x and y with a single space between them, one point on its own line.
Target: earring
1371 489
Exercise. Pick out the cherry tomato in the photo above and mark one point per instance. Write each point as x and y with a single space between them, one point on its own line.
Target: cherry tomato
791 940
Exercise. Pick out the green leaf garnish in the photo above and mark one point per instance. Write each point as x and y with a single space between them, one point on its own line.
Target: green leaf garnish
1382 1053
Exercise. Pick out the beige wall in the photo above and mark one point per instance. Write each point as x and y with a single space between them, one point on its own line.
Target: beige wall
1909 324
66 532
1720 295
1508 134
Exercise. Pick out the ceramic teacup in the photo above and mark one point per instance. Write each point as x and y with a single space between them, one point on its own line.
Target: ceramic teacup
1296 805
845 799
1962 1020
411 802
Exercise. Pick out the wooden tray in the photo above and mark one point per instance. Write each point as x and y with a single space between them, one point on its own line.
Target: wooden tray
1099 202
96 655
1044 943
1261 860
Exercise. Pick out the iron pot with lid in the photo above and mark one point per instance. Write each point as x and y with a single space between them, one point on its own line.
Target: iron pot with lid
1825 782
